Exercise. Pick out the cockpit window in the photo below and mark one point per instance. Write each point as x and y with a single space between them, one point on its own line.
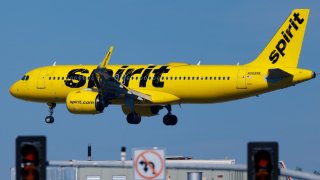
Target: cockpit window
25 78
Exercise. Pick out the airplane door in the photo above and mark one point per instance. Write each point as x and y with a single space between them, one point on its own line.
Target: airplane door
242 79
41 84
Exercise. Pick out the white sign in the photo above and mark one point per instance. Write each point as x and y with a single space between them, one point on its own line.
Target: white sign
119 177
149 164
93 177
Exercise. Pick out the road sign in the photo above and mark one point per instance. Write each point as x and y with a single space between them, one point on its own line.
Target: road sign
149 164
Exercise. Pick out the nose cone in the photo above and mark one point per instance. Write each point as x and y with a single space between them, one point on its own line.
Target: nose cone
14 90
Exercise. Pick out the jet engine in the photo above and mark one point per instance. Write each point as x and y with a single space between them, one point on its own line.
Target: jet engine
143 110
84 102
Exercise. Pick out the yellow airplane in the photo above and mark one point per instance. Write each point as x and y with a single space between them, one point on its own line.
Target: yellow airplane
143 90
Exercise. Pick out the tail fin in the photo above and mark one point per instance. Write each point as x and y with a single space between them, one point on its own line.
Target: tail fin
284 48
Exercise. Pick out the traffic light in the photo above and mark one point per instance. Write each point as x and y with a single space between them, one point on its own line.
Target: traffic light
31 158
263 158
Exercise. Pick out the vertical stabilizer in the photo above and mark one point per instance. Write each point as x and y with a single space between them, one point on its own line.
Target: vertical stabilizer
284 48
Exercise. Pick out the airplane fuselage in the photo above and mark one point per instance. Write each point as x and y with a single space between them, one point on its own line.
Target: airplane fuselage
188 83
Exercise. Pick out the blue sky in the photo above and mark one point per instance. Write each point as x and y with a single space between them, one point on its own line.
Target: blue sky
36 33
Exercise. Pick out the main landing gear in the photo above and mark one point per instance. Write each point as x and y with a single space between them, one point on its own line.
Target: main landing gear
169 119
133 118
50 119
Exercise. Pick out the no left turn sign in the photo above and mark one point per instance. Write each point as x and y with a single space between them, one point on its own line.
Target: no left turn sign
149 164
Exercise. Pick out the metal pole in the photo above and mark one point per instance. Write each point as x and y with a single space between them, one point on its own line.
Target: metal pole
89 152
123 153
194 175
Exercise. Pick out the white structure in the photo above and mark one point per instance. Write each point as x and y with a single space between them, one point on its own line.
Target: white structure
175 170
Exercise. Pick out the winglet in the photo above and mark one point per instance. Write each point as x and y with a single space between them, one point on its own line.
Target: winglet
106 59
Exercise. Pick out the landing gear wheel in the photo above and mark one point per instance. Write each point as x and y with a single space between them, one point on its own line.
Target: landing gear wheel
49 119
133 118
170 120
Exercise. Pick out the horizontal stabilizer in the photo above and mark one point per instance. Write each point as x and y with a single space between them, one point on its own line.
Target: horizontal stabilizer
276 74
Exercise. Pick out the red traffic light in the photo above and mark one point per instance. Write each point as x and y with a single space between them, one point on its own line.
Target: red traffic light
31 158
30 154
263 165
263 161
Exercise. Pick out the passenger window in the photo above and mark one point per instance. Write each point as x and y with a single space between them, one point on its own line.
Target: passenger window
58 78
27 78
49 78
206 78
228 78
54 78
192 78
215 78
210 78
189 78
224 78
219 77
63 78
184 78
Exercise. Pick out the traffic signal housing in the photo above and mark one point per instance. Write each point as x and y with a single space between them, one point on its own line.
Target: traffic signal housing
31 158
263 158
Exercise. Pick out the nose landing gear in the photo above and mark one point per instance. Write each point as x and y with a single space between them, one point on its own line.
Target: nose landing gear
50 119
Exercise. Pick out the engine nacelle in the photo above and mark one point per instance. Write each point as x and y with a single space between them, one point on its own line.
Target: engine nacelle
84 102
143 110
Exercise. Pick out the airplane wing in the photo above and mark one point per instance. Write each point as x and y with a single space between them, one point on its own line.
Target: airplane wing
110 88
158 97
